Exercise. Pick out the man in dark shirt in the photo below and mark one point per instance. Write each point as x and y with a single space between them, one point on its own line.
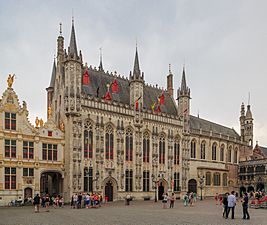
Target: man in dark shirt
36 202
225 204
245 207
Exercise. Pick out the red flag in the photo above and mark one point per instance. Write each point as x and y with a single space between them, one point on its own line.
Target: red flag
108 96
115 86
136 105
162 98
158 108
86 77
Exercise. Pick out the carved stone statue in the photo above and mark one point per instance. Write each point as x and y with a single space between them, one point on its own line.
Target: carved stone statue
37 121
10 80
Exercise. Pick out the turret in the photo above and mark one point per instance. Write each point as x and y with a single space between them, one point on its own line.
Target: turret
170 81
136 83
183 97
248 127
50 89
73 76
60 46
242 121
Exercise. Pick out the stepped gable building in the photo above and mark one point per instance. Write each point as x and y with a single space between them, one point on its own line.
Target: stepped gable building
125 136
31 157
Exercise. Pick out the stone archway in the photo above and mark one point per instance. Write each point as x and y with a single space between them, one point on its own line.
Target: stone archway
192 186
242 190
250 189
51 183
162 188
260 186
110 189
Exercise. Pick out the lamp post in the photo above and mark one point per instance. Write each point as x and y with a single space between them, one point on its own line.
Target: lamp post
201 182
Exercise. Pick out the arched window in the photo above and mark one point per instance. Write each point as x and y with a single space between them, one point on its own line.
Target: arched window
176 182
128 180
208 178
235 155
88 140
222 153
176 151
216 179
225 179
229 154
109 142
203 150
214 151
193 149
146 147
129 145
162 149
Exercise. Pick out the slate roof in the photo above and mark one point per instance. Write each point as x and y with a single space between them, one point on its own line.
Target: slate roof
101 79
264 151
197 123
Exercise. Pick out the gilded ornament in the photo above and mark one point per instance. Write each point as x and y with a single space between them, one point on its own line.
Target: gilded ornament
41 122
62 126
49 111
37 121
10 80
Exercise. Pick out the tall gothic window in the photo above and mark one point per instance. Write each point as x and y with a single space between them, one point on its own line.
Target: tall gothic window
129 145
162 149
229 154
216 179
88 140
109 142
214 151
146 148
225 179
193 149
208 178
176 151
146 181
203 150
88 179
176 182
128 180
222 153
235 156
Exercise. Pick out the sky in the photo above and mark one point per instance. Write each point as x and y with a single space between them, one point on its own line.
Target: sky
223 45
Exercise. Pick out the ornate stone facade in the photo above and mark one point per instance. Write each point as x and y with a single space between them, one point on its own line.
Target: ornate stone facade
31 157
124 136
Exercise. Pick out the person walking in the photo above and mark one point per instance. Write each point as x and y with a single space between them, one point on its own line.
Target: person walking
225 204
165 200
47 202
245 207
231 204
172 198
185 199
36 203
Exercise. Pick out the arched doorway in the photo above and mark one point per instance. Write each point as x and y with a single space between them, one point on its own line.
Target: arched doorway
192 186
250 189
162 188
109 191
242 190
260 187
28 193
51 183
110 188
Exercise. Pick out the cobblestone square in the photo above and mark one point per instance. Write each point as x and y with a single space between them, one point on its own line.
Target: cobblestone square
139 212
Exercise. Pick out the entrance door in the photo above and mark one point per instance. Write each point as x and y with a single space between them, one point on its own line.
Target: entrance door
260 187
192 186
109 191
160 191
27 193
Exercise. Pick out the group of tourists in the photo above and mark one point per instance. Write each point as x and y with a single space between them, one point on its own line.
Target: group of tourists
168 199
229 204
57 201
86 200
189 199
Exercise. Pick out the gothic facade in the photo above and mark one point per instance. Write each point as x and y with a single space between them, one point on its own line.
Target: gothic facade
125 136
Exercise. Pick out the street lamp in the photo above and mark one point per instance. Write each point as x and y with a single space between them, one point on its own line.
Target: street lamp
201 182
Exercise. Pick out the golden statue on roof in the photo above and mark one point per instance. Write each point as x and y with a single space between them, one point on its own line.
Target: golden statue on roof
10 80
49 112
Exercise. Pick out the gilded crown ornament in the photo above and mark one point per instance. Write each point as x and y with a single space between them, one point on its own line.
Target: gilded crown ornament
10 80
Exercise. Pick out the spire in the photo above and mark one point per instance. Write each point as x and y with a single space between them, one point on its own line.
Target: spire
183 84
170 81
248 113
53 76
242 109
136 70
73 46
100 63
